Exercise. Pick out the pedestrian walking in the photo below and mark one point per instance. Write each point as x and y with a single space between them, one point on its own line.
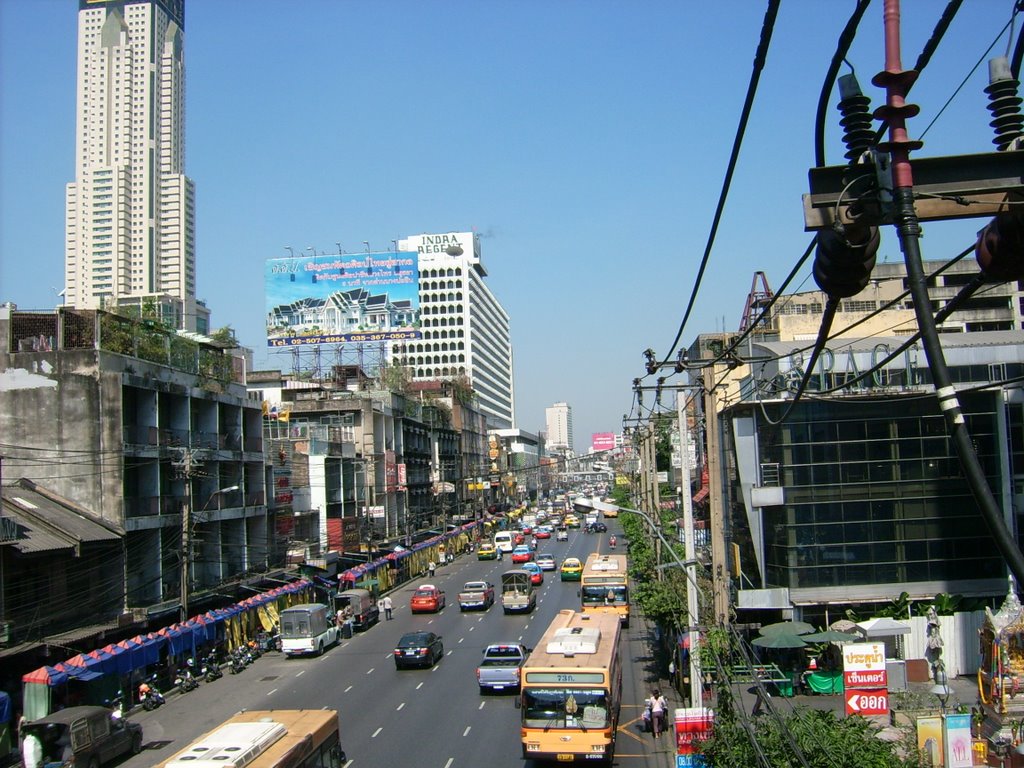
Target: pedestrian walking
431 567
387 607
658 706
672 672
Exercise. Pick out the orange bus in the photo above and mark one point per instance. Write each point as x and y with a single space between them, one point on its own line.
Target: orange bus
604 586
571 688
271 738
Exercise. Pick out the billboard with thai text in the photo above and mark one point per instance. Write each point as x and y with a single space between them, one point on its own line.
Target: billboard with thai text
602 441
343 298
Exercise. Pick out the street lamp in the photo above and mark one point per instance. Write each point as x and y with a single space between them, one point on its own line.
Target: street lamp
583 505
941 688
186 543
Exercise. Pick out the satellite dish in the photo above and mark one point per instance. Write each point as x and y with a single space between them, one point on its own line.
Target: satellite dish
454 250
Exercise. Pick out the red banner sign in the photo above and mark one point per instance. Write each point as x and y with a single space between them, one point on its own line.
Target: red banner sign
867 701
876 678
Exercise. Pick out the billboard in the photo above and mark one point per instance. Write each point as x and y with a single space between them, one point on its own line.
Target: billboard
342 298
602 441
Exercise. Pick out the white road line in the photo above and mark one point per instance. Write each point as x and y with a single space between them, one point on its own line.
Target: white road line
449 653
466 732
389 656
347 689
301 673
370 670
376 733
481 705
461 639
399 707
419 686
271 691
472 628
449 763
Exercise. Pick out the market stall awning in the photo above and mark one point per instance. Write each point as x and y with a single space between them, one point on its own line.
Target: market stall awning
882 627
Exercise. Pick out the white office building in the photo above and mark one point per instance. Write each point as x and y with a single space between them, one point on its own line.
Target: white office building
558 419
130 211
465 330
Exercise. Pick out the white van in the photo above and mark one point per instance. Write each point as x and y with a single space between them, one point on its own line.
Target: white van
504 541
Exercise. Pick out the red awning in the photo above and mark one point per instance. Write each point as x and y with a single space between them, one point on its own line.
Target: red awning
701 494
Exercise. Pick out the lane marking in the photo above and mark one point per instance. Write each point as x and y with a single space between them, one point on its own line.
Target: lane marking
461 639
466 732
377 733
271 691
481 705
399 707
449 763
370 670
419 686
347 689
301 673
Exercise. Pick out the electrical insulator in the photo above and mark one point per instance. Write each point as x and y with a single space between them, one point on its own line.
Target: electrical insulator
1004 103
1000 248
856 121
843 262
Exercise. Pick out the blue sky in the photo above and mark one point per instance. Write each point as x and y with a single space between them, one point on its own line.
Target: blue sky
585 141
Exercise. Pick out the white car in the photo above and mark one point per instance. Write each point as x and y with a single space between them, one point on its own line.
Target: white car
562 534
546 561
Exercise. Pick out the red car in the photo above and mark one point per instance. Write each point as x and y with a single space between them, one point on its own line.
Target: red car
519 538
522 554
527 530
427 599
542 533
536 574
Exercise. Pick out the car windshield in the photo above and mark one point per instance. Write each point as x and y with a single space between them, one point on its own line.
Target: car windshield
424 593
412 641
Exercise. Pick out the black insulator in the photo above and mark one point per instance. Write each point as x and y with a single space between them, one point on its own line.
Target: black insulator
855 107
842 268
1004 103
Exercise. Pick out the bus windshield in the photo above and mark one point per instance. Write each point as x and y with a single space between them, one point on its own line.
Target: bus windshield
565 708
604 594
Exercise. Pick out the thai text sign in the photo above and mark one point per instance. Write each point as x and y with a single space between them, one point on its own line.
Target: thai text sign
867 701
347 297
863 657
873 679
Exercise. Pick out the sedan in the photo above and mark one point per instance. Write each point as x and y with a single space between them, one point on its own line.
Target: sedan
542 533
572 569
427 599
536 574
522 554
562 534
546 561
418 649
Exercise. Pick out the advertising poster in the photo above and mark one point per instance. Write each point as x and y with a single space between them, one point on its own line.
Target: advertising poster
929 739
342 298
958 741
602 441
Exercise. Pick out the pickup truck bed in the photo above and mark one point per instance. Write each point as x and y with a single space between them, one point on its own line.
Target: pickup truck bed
476 595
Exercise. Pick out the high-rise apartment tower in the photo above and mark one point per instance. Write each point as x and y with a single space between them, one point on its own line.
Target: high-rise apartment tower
465 330
559 427
130 212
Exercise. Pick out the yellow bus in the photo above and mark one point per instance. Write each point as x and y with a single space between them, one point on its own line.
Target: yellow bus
571 686
604 586
270 738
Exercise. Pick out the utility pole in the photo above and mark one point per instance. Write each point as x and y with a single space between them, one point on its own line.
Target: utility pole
185 468
692 602
719 570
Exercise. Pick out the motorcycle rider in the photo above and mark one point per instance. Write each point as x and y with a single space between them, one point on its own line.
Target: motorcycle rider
611 541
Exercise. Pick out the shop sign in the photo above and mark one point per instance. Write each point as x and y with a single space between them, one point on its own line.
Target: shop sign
867 701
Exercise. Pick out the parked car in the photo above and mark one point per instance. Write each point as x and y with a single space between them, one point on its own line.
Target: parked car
546 561
418 649
487 551
427 599
572 569
522 554
536 574
83 736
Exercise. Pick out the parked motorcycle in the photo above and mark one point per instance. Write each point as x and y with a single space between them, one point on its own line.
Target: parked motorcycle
238 662
210 669
186 679
149 695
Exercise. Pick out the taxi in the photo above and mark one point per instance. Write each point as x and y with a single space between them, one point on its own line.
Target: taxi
571 521
536 573
571 570
487 551
522 554
542 532
427 599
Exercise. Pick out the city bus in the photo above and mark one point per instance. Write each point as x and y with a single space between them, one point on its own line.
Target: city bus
270 738
570 690
604 587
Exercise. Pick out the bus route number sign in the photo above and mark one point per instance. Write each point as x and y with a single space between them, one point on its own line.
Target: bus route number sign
564 677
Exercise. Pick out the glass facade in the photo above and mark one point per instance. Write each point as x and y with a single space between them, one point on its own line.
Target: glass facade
874 492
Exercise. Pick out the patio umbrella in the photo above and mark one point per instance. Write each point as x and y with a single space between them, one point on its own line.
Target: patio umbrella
788 628
779 640
830 636
843 625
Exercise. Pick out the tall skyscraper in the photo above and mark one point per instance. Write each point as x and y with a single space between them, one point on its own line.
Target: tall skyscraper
130 212
558 418
465 330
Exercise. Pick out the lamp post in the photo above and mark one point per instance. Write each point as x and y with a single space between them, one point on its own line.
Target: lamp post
941 688
582 505
186 540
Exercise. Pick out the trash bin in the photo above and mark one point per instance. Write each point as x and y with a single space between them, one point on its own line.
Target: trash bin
346 629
